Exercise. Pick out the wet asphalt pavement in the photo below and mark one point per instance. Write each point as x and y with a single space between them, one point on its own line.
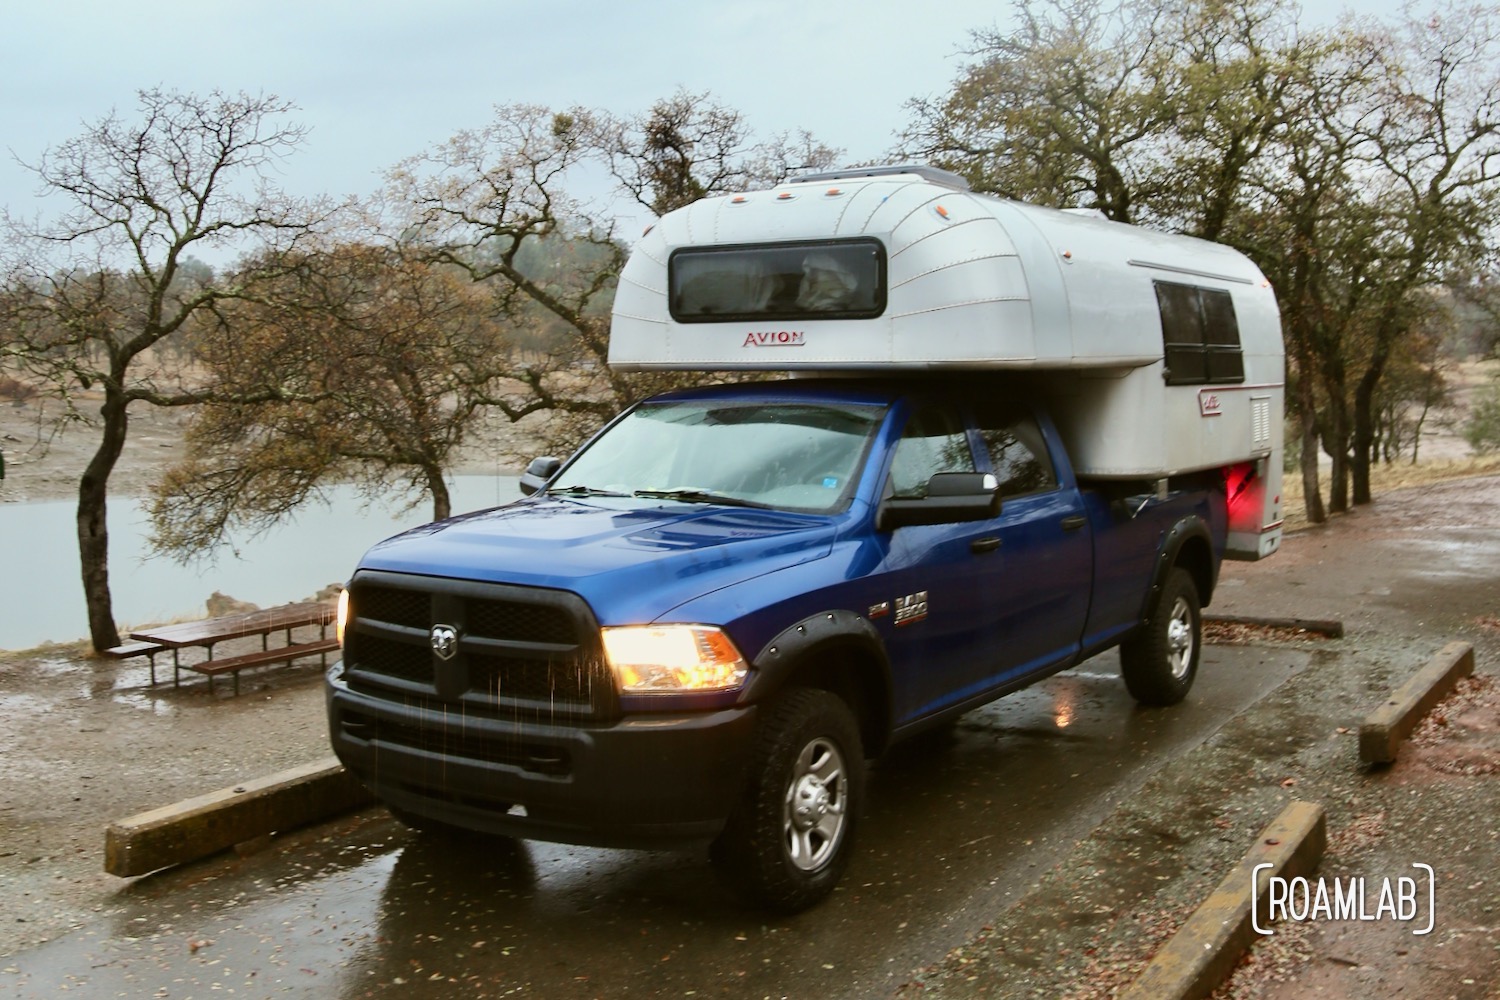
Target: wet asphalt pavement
958 824
1064 811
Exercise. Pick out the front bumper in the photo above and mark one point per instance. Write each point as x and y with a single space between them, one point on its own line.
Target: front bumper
639 781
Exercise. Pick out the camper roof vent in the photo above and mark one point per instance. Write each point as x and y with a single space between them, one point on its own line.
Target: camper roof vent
936 175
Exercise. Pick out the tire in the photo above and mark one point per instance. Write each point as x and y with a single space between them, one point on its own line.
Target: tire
789 838
1160 661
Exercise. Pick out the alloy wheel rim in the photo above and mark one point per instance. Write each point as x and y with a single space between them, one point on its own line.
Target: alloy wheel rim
815 813
1180 639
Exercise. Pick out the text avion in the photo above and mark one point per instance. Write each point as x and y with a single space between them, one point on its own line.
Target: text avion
775 338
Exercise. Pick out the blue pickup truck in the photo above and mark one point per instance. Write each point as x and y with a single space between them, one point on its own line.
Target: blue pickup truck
1013 437
703 623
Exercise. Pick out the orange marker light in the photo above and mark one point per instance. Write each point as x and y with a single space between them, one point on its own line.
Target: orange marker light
941 211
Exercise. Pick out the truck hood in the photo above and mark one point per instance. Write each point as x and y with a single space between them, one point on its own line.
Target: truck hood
632 560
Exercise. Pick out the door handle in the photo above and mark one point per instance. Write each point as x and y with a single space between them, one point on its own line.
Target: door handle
1073 522
979 546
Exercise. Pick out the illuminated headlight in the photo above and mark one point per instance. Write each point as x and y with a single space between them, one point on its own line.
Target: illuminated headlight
343 618
663 659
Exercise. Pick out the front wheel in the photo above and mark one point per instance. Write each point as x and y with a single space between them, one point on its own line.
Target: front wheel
788 839
1160 661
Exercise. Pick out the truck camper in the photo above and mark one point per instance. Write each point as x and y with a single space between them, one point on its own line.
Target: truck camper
1000 440
1160 354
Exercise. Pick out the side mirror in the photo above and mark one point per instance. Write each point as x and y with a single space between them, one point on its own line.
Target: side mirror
534 479
951 497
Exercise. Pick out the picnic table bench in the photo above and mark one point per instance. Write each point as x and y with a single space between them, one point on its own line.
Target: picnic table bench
209 632
126 650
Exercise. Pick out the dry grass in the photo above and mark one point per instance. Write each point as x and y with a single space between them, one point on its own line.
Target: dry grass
1444 453
1384 478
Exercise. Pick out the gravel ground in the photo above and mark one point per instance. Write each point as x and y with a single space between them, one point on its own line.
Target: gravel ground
86 741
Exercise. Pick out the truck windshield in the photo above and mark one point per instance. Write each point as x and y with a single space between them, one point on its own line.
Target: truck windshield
790 456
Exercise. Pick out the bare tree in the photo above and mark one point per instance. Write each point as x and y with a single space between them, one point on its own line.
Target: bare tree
496 203
1435 148
97 290
689 146
385 361
1059 109
477 282
1356 166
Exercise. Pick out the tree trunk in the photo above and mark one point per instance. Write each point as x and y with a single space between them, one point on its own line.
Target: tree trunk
442 503
1336 445
93 531
1335 430
1312 496
1364 421
1416 434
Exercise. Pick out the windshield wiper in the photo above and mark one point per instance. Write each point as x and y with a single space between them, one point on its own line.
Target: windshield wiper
690 495
584 491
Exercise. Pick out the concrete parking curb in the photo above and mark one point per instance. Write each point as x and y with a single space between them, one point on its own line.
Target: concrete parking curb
204 825
1204 950
1386 728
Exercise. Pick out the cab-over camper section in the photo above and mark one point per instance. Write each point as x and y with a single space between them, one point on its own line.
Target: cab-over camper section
1161 354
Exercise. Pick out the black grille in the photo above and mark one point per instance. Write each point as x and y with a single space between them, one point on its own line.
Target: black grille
520 622
522 652
389 658
410 608
531 680
450 741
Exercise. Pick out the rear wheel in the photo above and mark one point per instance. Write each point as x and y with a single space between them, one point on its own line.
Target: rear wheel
788 840
1160 661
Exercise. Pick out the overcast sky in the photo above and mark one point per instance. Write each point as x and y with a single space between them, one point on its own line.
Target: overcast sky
378 81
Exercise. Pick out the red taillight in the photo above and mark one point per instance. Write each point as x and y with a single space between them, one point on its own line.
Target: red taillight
1237 482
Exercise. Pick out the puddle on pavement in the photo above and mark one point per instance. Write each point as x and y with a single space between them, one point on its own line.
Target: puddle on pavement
30 704
1460 556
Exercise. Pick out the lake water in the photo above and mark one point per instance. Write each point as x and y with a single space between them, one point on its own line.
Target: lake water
41 598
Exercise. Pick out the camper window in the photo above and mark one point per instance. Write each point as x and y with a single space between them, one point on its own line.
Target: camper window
839 279
1200 335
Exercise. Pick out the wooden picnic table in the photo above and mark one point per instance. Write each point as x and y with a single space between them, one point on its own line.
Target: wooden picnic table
209 632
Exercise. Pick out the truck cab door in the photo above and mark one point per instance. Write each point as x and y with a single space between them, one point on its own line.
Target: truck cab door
1039 585
975 605
928 599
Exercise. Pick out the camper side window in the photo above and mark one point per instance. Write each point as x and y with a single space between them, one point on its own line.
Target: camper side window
1200 335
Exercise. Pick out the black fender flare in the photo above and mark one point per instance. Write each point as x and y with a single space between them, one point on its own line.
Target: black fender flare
1190 528
792 649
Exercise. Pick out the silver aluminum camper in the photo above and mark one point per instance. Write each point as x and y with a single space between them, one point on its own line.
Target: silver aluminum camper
1160 354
